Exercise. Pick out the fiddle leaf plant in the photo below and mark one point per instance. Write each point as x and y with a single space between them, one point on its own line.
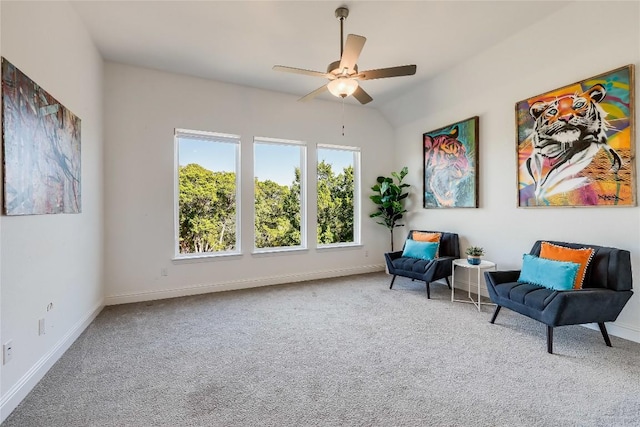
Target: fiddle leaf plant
389 197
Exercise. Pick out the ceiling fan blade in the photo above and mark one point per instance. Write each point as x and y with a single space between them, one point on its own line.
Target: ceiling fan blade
403 70
299 71
362 96
313 94
351 52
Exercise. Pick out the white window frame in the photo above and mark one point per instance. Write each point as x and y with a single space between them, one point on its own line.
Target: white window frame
357 209
213 137
303 193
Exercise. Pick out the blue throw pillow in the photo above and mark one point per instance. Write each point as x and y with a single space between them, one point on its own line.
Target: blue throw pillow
558 275
420 250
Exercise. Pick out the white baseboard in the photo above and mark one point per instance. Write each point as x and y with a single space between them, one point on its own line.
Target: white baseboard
239 284
620 330
19 391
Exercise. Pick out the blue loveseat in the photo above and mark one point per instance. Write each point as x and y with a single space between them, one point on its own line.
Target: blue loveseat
605 291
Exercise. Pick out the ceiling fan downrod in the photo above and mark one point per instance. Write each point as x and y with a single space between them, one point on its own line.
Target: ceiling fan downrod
341 14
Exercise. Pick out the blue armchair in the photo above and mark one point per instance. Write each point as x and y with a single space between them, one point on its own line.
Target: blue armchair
426 270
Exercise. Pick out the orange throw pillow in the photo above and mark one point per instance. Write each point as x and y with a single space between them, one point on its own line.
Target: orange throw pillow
421 236
579 256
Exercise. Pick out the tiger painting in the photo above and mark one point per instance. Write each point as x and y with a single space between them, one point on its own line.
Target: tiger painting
445 167
568 133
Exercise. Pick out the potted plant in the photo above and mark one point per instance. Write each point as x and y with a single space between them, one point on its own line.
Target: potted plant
474 255
389 199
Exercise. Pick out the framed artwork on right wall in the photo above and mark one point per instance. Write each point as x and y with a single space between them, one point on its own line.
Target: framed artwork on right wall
576 144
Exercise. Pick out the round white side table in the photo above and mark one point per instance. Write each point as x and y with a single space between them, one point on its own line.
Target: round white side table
484 265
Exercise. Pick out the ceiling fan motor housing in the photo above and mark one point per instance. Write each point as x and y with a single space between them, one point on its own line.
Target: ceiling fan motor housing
334 69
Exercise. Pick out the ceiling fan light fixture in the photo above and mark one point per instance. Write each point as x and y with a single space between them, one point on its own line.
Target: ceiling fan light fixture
342 87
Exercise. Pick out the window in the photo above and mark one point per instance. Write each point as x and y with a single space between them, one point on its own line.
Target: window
338 195
279 182
207 193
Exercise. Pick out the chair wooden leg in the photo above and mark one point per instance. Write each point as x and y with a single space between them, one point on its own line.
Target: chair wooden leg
428 291
605 335
392 280
495 313
448 284
549 339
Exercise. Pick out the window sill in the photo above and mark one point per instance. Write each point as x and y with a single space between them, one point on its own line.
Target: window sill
278 251
195 258
189 259
340 246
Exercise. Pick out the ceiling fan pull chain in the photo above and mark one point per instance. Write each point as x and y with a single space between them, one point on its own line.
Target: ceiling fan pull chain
343 116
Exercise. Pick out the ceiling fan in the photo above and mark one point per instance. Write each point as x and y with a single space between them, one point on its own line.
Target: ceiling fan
343 75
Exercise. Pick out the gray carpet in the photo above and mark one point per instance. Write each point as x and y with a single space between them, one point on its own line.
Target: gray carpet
339 352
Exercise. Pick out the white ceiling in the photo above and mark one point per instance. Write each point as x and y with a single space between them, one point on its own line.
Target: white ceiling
240 41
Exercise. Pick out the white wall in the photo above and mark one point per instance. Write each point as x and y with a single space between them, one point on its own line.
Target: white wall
141 111
52 258
581 40
59 258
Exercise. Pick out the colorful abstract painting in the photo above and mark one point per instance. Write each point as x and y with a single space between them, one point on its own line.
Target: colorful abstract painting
451 166
576 144
41 141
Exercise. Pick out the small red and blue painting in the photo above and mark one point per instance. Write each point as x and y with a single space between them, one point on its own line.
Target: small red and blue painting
451 166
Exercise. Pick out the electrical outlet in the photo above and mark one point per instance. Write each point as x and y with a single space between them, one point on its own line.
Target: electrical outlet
7 352
366 254
41 328
164 272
